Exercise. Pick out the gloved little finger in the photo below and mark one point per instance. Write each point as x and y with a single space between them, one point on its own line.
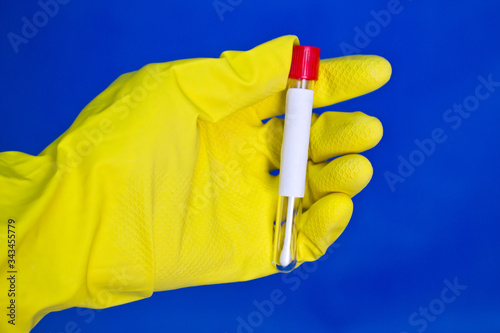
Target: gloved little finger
321 225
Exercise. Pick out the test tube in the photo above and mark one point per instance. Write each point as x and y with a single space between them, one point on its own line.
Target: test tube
294 154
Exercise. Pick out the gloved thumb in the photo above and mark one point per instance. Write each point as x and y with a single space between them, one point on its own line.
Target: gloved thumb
238 79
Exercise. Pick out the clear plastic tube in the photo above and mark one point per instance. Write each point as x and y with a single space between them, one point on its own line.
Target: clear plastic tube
289 207
285 234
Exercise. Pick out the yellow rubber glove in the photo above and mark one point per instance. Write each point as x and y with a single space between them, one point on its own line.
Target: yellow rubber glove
163 182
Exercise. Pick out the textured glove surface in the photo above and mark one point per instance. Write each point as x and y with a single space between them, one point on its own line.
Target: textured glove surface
163 181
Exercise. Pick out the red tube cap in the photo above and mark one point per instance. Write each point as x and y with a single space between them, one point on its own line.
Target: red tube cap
305 62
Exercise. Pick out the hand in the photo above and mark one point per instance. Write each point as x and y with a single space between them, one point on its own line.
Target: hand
163 181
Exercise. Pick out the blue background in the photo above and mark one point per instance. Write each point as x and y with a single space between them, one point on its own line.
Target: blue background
440 224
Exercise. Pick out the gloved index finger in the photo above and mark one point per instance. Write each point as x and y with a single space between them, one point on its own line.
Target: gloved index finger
339 79
347 77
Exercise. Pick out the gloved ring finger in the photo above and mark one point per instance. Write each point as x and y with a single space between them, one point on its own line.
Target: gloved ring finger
347 174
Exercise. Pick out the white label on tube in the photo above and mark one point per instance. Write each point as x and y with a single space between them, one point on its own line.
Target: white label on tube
295 147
